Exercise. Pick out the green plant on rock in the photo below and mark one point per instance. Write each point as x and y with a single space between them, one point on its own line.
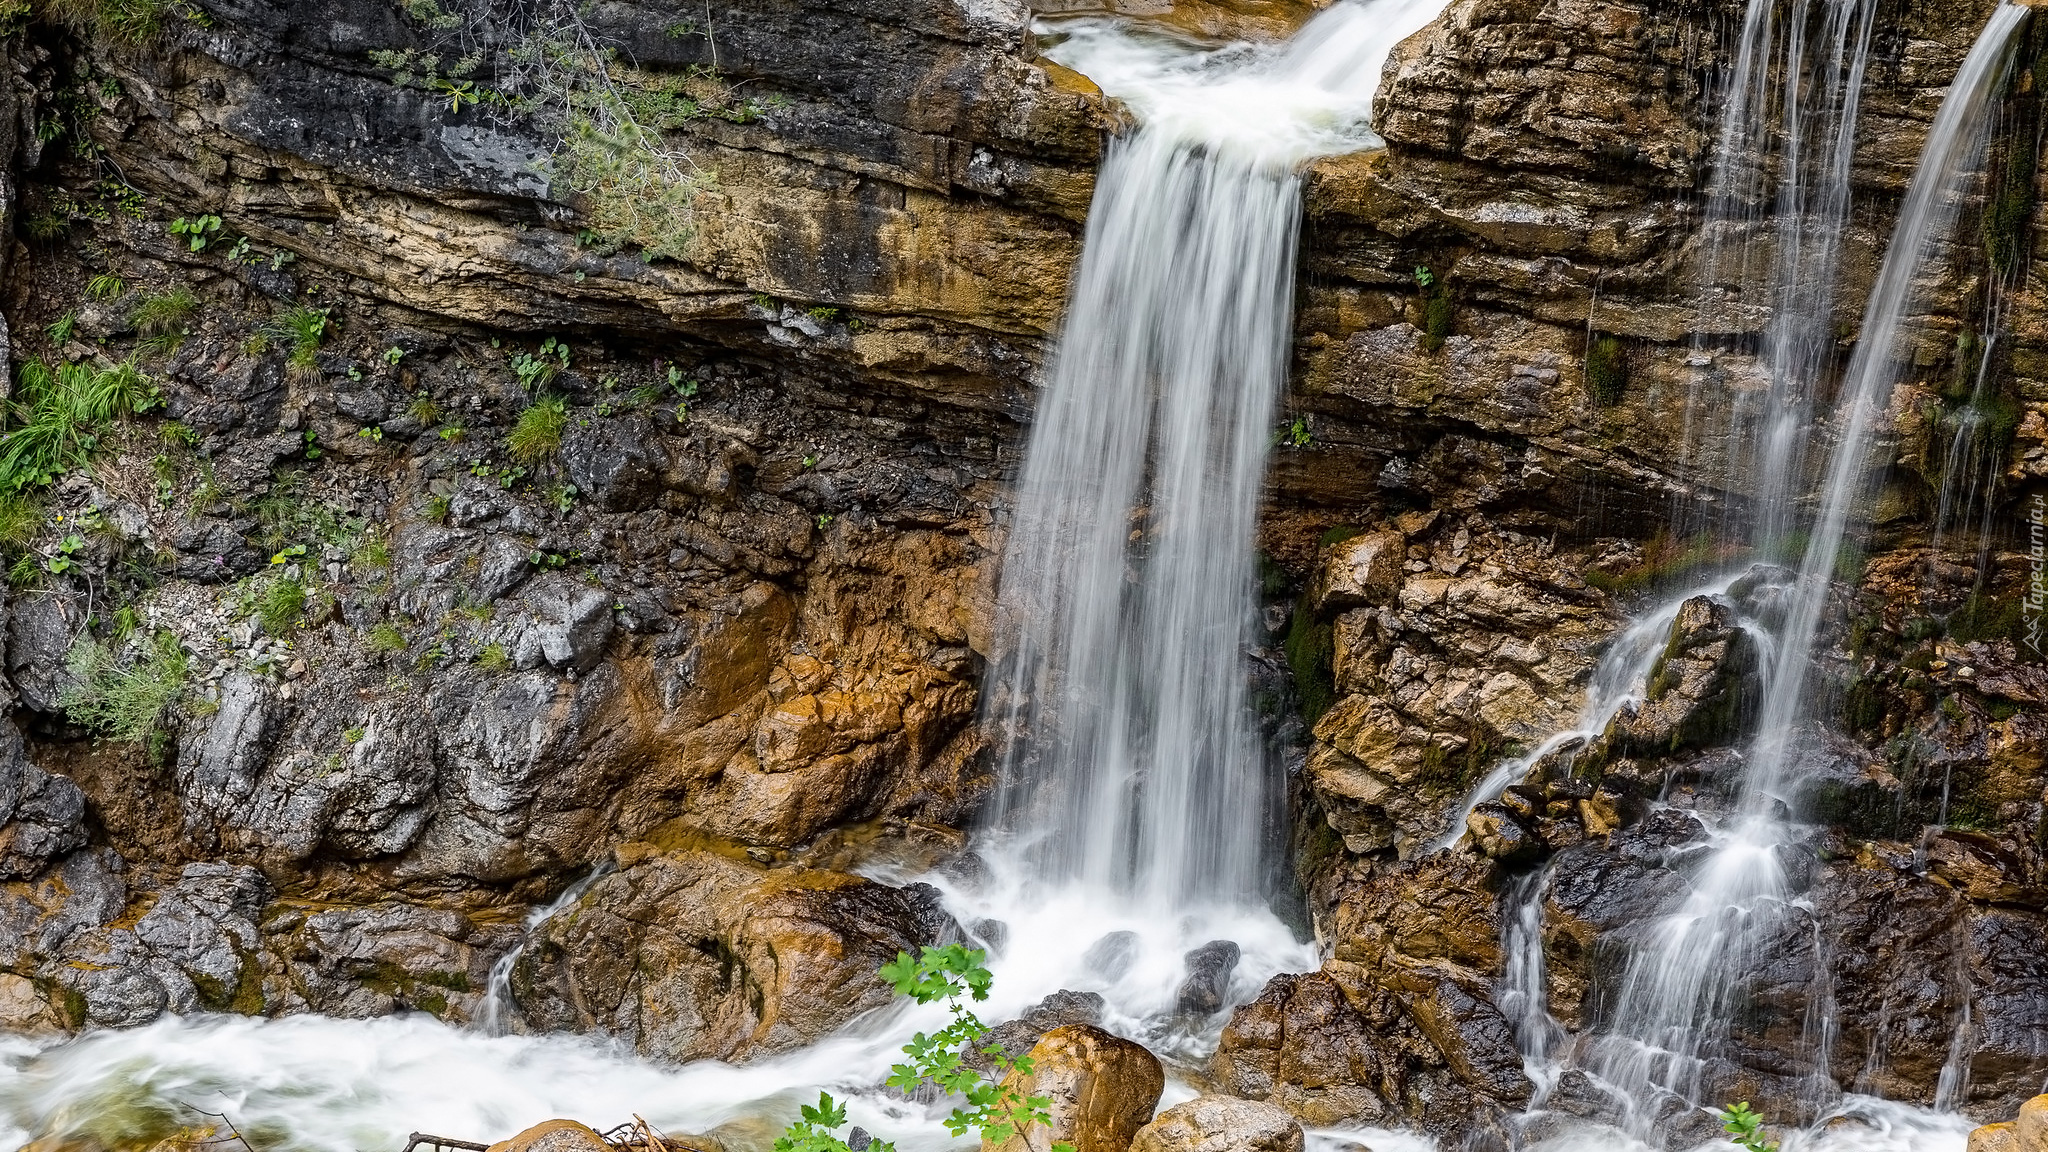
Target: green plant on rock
606 118
198 231
125 699
536 370
386 637
302 329
130 23
58 418
164 319
105 286
994 1109
280 604
1746 1128
538 434
1606 370
494 658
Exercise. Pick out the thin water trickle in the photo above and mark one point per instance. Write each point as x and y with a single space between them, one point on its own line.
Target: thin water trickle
492 1016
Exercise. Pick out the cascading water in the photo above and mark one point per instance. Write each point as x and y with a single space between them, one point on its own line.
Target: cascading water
1136 806
1793 98
1127 579
492 1016
1676 997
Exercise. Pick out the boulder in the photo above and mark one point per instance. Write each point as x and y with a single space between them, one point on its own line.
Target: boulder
2028 1133
1103 1089
1220 1124
1209 969
554 1136
704 953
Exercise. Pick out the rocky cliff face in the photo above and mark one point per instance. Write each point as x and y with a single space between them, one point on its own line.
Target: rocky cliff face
412 676
538 554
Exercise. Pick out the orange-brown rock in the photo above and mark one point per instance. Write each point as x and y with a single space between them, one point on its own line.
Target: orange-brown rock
554 1136
701 952
2028 1133
1103 1089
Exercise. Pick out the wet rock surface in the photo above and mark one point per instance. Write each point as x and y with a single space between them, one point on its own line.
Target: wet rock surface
1102 1089
703 953
1219 1123
731 630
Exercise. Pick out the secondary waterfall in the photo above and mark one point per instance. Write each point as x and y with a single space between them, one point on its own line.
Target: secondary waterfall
1792 98
1676 997
1132 755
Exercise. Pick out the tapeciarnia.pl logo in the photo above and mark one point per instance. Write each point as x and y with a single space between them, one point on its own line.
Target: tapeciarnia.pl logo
2037 584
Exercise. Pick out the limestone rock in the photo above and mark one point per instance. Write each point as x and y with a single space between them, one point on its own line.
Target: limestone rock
1103 1089
1364 570
1220 1124
2027 1133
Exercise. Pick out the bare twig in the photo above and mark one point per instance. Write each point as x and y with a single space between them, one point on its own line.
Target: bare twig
419 1138
234 1133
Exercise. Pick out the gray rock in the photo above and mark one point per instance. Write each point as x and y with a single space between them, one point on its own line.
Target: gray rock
1209 971
42 816
1220 1124
563 624
617 463
38 639
219 765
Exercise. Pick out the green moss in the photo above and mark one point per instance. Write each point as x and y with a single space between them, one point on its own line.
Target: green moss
1439 316
1606 370
1338 535
1311 648
1988 618
1865 705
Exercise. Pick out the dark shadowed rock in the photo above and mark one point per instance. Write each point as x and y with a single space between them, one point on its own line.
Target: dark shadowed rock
1208 979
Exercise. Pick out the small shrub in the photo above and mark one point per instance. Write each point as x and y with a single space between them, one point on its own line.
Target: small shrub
1746 1128
995 1110
1606 370
538 435
125 701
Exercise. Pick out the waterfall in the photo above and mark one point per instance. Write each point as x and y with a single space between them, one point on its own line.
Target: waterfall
1793 95
1954 152
1132 757
1676 998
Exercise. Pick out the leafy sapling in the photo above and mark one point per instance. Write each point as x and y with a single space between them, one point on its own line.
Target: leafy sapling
994 1109
1746 1128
